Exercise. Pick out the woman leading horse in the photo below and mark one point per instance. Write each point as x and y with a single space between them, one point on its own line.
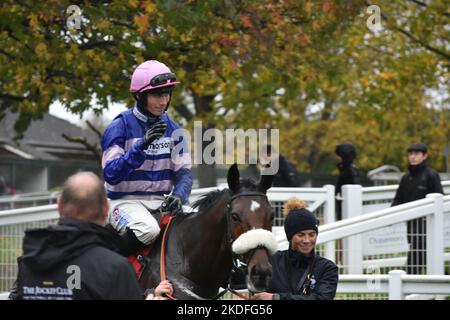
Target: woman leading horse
201 248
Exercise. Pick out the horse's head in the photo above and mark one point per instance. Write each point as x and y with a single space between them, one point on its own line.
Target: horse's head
250 219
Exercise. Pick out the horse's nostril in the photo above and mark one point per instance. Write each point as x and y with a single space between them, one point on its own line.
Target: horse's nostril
260 272
266 271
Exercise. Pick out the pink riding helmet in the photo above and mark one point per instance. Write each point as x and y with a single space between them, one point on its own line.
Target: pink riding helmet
152 74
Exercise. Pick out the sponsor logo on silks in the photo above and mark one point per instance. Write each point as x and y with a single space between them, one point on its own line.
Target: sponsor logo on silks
123 221
120 217
160 146
116 214
313 282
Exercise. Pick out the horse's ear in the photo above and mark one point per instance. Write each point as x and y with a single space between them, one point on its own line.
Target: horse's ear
233 178
265 182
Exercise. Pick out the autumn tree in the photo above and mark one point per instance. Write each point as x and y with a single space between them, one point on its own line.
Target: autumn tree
311 68
215 47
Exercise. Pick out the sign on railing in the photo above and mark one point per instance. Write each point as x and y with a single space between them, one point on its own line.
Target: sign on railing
391 239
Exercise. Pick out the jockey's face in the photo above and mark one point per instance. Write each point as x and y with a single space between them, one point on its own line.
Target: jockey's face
157 103
304 241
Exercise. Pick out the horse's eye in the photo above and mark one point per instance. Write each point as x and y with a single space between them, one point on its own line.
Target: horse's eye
235 218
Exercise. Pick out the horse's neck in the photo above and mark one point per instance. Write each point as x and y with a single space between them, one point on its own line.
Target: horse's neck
208 228
209 253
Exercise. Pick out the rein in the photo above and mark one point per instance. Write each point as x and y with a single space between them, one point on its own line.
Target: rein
229 238
162 259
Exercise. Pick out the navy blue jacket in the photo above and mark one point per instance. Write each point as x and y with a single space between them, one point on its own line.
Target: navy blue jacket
324 277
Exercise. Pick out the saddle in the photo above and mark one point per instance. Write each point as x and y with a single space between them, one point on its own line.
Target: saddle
137 261
163 218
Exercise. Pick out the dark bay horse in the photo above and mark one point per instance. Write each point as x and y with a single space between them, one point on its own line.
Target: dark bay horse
200 247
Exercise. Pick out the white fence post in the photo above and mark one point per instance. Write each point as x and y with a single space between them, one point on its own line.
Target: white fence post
329 217
396 285
352 206
435 236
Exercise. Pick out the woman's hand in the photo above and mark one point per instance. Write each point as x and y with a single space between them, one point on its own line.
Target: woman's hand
163 289
262 296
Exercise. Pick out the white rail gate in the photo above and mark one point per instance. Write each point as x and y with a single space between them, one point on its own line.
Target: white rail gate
344 241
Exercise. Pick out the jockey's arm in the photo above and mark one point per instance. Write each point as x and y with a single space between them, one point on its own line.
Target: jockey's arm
182 176
118 164
183 184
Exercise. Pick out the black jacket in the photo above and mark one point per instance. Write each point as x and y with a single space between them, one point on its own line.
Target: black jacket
417 183
348 171
287 175
324 274
54 256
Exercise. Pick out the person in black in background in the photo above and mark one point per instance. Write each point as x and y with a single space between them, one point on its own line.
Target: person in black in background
287 175
419 181
251 172
348 172
299 273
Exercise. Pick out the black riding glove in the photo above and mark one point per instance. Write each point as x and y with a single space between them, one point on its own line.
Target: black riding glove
172 204
154 133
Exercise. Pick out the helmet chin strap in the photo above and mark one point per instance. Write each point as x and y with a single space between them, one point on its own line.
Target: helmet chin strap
168 103
141 99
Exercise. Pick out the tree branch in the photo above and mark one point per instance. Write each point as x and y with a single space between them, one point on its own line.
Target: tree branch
10 56
425 45
122 24
184 111
420 3
8 96
93 148
91 126
96 44
423 4
415 39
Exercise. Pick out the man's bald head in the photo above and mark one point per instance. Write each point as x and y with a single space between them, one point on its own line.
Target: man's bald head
83 198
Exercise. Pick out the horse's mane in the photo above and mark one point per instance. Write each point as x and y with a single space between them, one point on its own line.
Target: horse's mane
210 199
207 201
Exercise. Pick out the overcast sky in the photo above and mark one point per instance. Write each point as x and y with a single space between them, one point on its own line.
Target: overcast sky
57 110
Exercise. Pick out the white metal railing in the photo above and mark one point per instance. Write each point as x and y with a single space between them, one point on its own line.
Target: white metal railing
397 284
376 198
357 201
23 215
351 229
13 222
28 199
317 195
4 295
316 198
433 207
388 192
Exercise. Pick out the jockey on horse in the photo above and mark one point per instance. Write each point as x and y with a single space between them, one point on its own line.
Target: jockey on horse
138 165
